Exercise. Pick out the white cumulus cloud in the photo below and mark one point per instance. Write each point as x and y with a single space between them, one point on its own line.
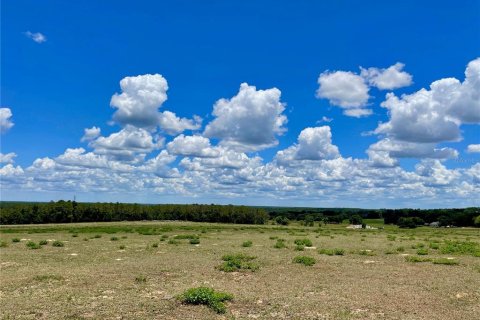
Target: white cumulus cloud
387 79
5 119
473 148
36 36
8 157
90 134
249 121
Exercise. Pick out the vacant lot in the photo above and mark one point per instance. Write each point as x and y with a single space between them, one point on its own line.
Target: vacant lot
132 270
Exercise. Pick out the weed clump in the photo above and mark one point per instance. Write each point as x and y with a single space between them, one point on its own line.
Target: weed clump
32 245
140 279
122 247
194 241
247 244
173 241
332 252
280 244
391 237
299 248
415 259
461 248
15 240
305 260
422 252
114 239
3 244
445 261
238 262
43 242
303 242
57 243
206 296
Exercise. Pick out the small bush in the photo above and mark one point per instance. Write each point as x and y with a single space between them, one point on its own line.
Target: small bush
43 242
461 247
57 243
186 236
113 239
238 262
140 279
247 244
418 246
206 296
305 260
422 252
280 244
339 252
281 220
415 259
194 241
15 240
122 247
303 242
446 261
32 245
299 248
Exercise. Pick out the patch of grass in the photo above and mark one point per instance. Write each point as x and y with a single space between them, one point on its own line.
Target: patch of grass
332 252
299 248
206 296
43 242
3 244
391 237
15 240
446 261
32 245
238 262
366 252
338 252
141 279
434 245
173 241
280 244
418 245
389 251
415 259
48 277
194 241
422 252
303 242
247 244
186 236
155 245
461 248
400 249
57 243
114 239
305 260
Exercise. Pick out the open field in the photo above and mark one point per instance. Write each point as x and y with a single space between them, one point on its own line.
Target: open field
137 270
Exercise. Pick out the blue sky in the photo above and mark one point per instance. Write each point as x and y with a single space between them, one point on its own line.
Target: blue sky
61 63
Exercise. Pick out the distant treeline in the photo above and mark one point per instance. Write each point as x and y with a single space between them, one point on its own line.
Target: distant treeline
401 217
71 211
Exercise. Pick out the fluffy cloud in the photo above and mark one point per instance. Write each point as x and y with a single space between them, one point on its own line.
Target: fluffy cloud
387 79
7 158
192 146
90 134
36 36
127 143
313 144
173 125
140 99
344 89
249 121
473 148
435 115
5 121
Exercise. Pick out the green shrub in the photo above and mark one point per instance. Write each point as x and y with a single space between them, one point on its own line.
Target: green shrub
299 248
416 259
194 241
445 261
422 252
303 242
186 236
206 296
43 242
281 220
15 240
247 244
418 246
238 262
328 252
434 245
57 243
33 245
339 252
305 260
280 244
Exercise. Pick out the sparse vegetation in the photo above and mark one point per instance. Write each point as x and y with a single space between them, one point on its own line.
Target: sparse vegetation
238 262
15 240
206 296
43 242
303 242
247 244
305 260
57 243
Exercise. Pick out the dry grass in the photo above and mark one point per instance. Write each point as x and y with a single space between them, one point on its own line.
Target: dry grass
95 280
